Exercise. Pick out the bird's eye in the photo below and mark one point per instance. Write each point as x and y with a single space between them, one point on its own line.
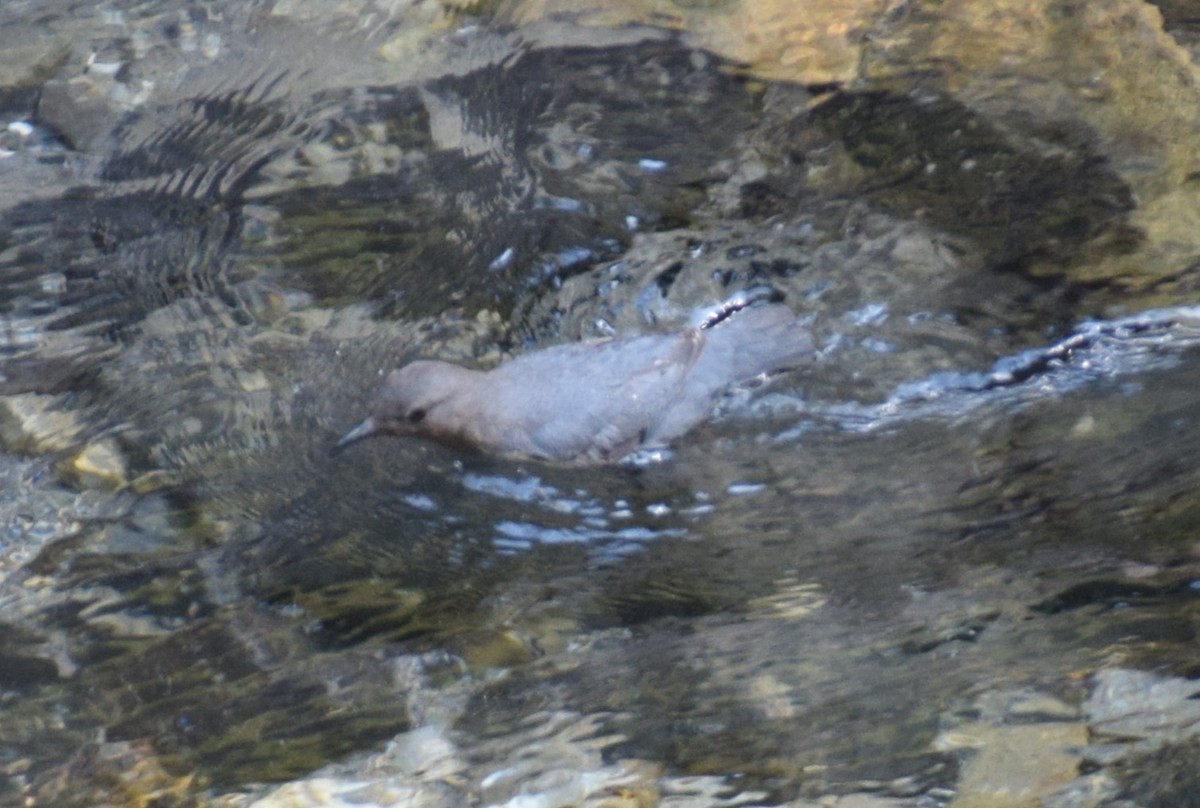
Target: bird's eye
416 416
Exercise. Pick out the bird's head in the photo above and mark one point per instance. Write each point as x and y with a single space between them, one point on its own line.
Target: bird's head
414 401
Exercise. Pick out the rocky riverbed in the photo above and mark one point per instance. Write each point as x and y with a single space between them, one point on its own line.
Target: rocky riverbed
953 562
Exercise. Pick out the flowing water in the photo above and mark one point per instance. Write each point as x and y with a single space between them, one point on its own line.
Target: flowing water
955 561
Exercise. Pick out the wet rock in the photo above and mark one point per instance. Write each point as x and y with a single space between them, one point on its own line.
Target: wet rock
1014 766
1045 69
1164 778
1011 194
779 40
100 465
35 424
80 110
1179 20
27 58
1041 73
1143 706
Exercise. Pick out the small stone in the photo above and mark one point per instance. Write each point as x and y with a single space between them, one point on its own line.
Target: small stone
253 381
99 466
502 649
1084 427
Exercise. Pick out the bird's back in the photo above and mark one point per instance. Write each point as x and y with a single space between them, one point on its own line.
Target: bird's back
599 400
748 343
590 400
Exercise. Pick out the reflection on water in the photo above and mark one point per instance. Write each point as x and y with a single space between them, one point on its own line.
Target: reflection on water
934 568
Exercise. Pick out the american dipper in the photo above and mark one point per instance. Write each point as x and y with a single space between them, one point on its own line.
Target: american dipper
588 402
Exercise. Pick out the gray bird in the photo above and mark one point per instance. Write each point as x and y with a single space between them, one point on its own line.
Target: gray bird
588 402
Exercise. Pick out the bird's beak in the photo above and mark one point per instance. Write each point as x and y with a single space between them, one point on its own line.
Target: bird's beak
366 429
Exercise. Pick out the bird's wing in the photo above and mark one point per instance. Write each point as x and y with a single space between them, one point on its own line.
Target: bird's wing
600 400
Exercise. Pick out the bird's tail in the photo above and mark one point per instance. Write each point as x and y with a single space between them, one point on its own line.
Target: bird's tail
759 339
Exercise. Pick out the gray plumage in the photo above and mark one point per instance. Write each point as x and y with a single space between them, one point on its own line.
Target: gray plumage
592 401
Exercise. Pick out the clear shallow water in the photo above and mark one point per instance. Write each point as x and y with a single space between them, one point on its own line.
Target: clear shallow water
973 508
